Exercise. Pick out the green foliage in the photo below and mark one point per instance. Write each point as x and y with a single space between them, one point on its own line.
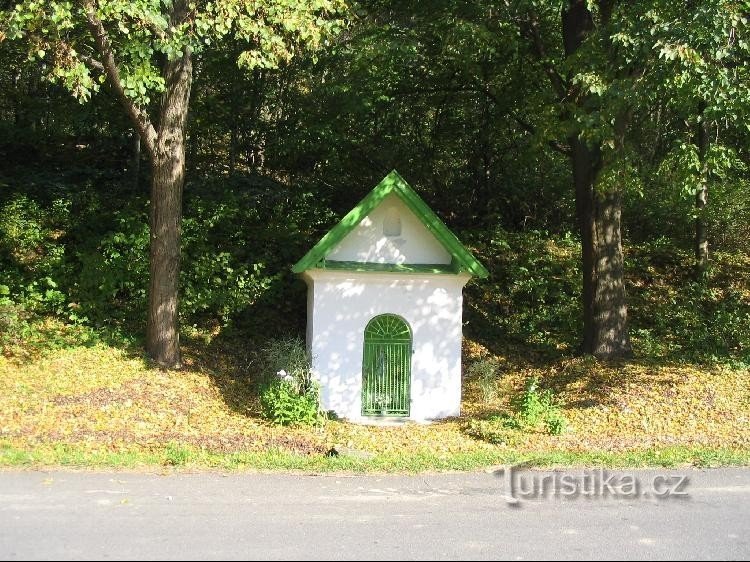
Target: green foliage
68 250
31 272
535 406
283 405
30 257
141 33
176 454
676 315
533 410
485 371
531 296
555 423
114 270
290 396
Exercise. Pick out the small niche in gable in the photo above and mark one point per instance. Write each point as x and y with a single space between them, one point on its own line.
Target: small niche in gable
392 223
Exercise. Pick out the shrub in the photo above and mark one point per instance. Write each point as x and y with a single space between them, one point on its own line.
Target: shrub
532 409
532 295
675 315
289 395
284 405
533 404
535 407
113 278
555 423
485 371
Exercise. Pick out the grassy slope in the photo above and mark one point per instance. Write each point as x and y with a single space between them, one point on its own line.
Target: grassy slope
100 406
81 403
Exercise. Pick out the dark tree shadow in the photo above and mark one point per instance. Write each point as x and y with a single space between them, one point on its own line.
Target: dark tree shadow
232 358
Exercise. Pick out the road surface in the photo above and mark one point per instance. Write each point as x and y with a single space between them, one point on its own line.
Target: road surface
85 515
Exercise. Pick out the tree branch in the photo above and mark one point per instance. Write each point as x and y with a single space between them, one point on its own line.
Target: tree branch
155 31
69 52
91 62
557 146
530 28
138 116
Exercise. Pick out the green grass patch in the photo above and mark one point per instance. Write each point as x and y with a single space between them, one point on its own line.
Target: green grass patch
176 456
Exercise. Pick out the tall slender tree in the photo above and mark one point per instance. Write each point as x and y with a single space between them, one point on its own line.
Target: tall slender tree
618 60
144 50
577 79
700 73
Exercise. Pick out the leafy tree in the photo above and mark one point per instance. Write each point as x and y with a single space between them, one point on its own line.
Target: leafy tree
145 50
698 71
603 61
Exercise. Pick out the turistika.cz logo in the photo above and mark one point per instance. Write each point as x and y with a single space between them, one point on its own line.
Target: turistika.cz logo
520 484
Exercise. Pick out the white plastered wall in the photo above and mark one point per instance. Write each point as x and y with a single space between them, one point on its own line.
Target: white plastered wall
369 243
341 303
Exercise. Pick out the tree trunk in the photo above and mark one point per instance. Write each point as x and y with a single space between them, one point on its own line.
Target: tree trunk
135 157
605 313
701 195
165 144
611 338
585 164
605 332
168 176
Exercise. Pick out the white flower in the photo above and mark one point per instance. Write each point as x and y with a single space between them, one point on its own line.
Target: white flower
282 374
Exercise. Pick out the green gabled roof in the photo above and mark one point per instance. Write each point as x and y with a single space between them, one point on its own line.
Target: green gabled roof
463 260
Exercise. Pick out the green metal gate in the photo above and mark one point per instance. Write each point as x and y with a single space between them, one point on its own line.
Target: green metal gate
386 367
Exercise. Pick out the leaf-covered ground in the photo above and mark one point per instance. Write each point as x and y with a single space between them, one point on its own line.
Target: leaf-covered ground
90 404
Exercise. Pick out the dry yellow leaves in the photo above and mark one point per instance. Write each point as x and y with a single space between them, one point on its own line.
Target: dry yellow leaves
103 398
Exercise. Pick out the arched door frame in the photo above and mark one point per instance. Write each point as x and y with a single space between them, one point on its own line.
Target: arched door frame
386 367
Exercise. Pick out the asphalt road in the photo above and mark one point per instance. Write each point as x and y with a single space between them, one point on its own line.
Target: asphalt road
633 515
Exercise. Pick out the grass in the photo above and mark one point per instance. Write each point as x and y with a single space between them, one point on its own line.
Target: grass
188 458
103 406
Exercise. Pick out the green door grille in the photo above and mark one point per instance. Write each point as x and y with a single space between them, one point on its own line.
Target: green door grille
386 367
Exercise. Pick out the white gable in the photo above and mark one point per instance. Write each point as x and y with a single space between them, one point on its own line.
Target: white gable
391 233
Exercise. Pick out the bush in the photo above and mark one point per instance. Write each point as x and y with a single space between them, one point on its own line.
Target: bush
555 423
675 315
113 279
284 405
485 371
289 395
74 244
532 409
532 295
535 407
30 255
